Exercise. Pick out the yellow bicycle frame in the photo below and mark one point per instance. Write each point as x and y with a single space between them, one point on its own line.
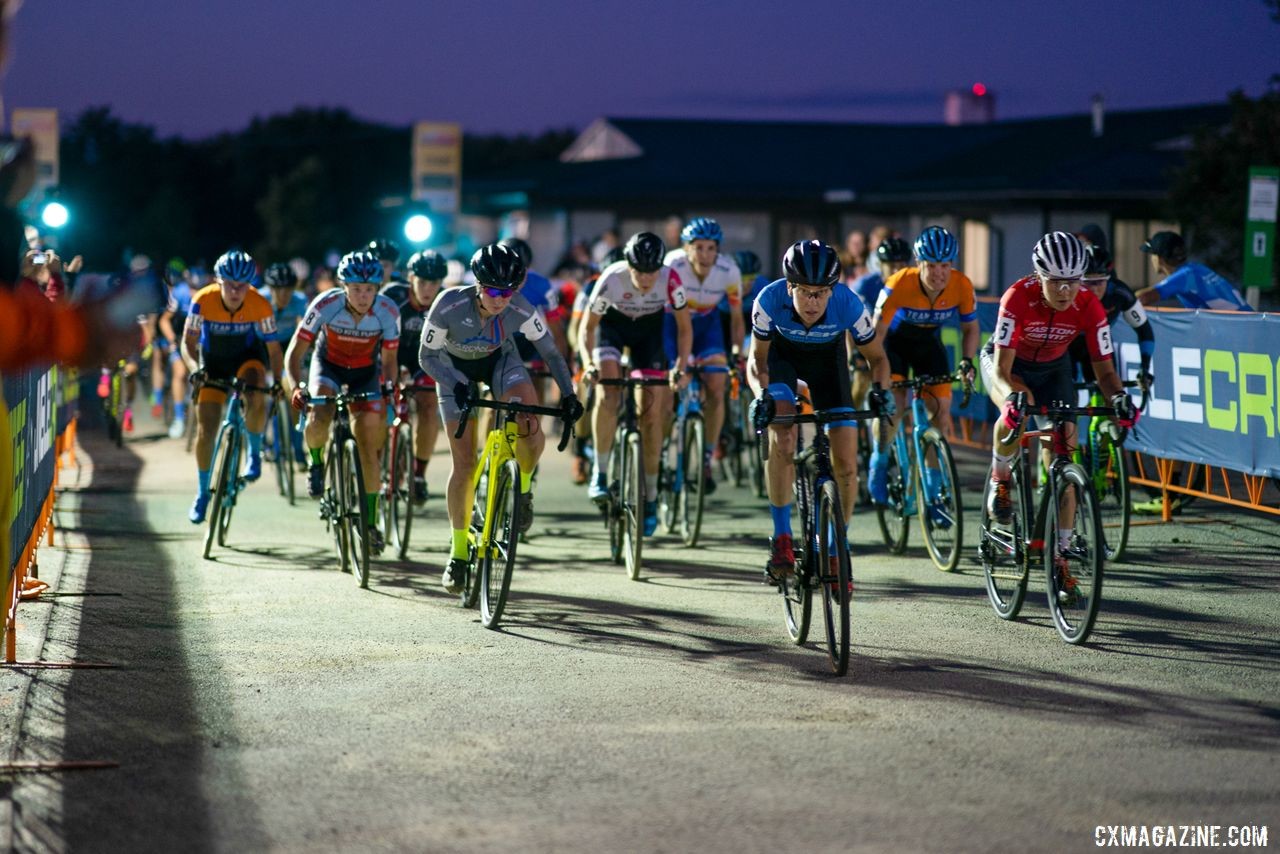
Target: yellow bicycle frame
499 446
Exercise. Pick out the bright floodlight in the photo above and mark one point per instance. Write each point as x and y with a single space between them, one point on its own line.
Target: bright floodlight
417 228
55 215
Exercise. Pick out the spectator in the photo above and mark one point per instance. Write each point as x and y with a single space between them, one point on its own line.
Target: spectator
1091 234
1192 283
43 270
324 281
609 240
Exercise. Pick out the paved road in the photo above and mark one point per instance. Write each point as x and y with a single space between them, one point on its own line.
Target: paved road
262 701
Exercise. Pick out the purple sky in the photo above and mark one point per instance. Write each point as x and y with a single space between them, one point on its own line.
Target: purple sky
193 68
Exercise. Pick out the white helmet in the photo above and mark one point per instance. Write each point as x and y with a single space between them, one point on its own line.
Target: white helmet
1060 255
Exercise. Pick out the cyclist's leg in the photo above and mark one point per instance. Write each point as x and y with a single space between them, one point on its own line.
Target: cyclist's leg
653 405
178 389
844 465
426 423
932 360
829 388
709 349
369 424
254 372
458 493
604 419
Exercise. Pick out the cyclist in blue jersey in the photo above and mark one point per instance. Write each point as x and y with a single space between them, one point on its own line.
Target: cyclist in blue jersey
893 254
172 319
544 296
1194 284
753 281
280 289
798 327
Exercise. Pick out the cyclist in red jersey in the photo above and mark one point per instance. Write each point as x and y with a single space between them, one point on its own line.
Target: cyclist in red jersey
1039 317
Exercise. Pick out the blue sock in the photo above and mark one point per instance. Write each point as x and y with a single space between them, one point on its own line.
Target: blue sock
203 476
180 410
255 443
781 519
157 397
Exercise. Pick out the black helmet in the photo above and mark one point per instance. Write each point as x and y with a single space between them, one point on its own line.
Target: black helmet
811 262
280 275
894 250
386 250
522 249
428 264
645 251
613 256
498 266
748 262
1097 264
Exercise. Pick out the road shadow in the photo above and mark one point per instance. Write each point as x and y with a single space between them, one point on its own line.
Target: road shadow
142 715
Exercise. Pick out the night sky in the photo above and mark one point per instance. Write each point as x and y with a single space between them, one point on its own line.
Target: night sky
194 68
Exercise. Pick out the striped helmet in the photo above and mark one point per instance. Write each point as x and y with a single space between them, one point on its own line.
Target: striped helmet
811 262
1059 255
235 266
359 268
701 228
936 245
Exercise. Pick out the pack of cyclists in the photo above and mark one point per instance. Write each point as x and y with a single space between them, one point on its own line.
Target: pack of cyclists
813 342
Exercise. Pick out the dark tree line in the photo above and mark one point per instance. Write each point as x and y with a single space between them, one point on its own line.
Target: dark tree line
288 185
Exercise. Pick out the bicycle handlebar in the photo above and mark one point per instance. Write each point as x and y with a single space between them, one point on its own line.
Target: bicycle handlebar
1146 392
633 382
919 382
235 384
464 413
820 416
342 397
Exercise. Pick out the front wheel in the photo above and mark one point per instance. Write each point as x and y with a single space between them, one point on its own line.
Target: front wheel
668 487
613 508
498 555
354 514
1075 572
398 508
834 570
221 484
941 512
631 502
233 484
282 445
692 453
893 516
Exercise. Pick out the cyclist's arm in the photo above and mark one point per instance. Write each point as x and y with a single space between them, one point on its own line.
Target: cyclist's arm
1136 316
166 326
434 359
147 322
877 362
684 336
587 337
1108 380
276 357
969 337
758 365
535 330
298 347
1004 383
390 364
191 342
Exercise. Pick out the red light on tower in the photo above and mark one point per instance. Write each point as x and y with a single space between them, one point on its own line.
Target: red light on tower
979 89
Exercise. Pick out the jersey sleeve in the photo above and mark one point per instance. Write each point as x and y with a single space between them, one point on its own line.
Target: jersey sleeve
265 317
1096 330
1176 283
860 321
761 320
733 287
313 321
675 291
598 302
967 302
388 314
1008 331
534 325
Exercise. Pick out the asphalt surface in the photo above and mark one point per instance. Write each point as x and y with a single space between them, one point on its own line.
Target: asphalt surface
261 701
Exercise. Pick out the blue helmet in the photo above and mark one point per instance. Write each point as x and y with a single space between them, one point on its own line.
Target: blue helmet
748 262
701 228
811 262
936 245
360 267
235 266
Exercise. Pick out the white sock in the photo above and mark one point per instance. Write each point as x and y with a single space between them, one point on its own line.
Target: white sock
1001 464
651 487
1064 539
602 464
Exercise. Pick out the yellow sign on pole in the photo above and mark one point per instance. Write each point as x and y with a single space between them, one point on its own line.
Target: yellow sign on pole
437 165
41 125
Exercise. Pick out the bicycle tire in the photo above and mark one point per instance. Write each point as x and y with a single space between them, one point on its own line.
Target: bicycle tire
631 502
357 520
668 474
332 503
943 538
613 508
797 592
759 456
234 484
284 453
692 497
117 407
498 556
1005 573
1110 476
398 503
218 487
832 564
1074 614
892 517
864 464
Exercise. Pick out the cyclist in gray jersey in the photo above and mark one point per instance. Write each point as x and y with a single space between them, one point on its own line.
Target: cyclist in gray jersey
468 338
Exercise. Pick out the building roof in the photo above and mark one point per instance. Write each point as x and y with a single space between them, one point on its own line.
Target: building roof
627 161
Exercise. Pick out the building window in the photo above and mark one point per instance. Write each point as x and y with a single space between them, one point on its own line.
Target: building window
976 262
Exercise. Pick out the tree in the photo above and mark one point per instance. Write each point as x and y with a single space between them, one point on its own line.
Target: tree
299 214
1210 191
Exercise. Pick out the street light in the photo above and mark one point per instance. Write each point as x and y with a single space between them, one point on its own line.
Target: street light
55 215
418 228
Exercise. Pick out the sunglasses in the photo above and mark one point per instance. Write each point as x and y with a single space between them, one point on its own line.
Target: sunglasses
498 293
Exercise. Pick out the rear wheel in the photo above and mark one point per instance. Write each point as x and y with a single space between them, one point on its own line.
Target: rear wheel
941 513
498 556
613 509
797 593
834 571
1111 488
631 503
691 499
1004 559
332 502
1075 586
220 485
353 512
893 516
398 504
668 475
282 446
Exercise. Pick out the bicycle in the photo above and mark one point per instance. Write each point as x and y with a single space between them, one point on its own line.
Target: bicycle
495 526
1007 554
342 505
624 506
822 550
228 455
397 476
942 522
1102 456
113 402
278 448
735 462
681 486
